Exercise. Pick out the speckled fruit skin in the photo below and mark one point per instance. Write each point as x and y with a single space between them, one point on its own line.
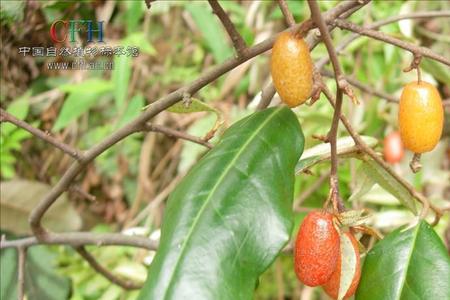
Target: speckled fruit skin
393 148
292 69
316 249
420 117
332 286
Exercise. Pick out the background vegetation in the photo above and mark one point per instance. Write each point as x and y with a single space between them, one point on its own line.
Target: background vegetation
126 187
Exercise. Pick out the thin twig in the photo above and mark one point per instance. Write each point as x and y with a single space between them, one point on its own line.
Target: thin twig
22 253
364 87
177 134
82 193
83 238
376 25
126 284
390 40
316 15
7 117
286 13
154 109
266 96
236 38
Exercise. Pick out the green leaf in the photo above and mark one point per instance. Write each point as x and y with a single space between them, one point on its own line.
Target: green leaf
411 264
322 152
436 69
12 12
194 106
231 215
19 197
93 85
138 39
363 185
133 13
41 280
134 108
18 108
389 183
211 29
120 78
74 106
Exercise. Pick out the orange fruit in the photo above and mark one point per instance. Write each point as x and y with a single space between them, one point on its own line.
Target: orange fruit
420 116
332 286
316 249
292 69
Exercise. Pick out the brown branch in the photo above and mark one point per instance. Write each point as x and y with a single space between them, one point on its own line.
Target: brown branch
82 193
286 13
266 96
155 108
376 25
316 15
77 239
236 38
175 133
390 40
7 117
148 3
369 151
123 283
22 256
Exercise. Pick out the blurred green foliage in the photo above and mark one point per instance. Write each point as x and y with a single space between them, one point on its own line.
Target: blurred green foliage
178 41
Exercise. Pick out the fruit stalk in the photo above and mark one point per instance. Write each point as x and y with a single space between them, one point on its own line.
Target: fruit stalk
316 16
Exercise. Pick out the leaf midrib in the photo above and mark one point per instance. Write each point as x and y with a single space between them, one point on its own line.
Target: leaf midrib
213 190
403 280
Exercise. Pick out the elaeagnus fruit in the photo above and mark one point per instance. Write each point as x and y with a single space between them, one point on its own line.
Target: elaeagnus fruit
316 249
292 69
420 117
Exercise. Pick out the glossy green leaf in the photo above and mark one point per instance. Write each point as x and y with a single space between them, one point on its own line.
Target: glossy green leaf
389 183
231 215
41 279
405 265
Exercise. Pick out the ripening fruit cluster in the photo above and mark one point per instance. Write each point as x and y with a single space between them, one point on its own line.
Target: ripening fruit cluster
317 255
420 115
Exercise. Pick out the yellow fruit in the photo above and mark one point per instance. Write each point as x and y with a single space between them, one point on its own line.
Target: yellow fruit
292 69
420 116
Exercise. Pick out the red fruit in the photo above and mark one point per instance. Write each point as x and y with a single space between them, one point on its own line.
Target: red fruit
316 249
332 286
393 148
